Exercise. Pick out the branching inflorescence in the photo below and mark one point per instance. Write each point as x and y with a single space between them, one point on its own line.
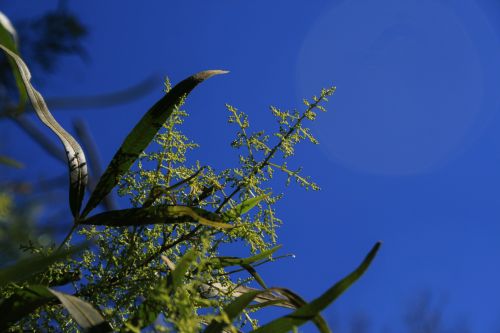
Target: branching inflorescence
128 256
164 263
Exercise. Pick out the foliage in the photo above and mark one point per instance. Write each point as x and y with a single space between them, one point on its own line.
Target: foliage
162 262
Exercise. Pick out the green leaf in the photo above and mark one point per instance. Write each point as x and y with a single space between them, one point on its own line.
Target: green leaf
182 267
160 214
11 162
298 302
8 36
266 297
149 309
255 275
141 135
142 317
22 303
157 191
242 208
76 157
23 269
25 300
233 310
145 314
311 310
85 315
235 261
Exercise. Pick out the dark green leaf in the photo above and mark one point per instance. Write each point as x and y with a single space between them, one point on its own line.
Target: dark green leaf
22 303
311 310
298 302
85 315
160 214
283 297
149 309
27 299
8 34
8 39
255 275
76 157
182 267
158 191
25 268
242 208
273 297
234 261
266 297
233 310
141 135
144 316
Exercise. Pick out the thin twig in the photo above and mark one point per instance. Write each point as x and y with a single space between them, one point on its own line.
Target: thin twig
68 236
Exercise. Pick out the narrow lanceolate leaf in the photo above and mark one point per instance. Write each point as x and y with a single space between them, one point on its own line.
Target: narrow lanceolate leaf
23 269
158 191
25 300
245 296
148 311
232 311
76 157
85 315
11 162
160 214
265 297
242 208
235 261
311 310
22 302
182 267
9 29
141 135
298 302
251 270
8 38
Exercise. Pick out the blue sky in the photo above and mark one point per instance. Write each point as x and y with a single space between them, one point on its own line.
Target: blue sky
409 151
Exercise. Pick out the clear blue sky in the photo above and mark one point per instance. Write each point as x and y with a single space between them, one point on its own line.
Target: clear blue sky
410 147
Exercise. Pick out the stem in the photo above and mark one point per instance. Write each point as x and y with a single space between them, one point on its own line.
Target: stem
68 236
163 248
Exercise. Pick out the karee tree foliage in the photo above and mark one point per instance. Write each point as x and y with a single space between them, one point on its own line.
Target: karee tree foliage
161 264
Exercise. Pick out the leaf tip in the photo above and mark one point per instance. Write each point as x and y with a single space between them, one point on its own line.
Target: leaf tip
201 76
375 249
